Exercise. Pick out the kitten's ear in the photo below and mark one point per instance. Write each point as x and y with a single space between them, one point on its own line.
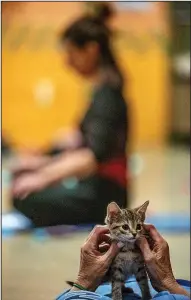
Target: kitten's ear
142 209
113 209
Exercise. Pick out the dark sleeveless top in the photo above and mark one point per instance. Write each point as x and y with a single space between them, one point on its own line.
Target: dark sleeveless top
104 129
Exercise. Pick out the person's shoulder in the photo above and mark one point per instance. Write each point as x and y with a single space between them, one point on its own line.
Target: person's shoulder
108 96
108 89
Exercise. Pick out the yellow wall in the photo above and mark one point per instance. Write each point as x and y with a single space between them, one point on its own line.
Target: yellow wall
27 122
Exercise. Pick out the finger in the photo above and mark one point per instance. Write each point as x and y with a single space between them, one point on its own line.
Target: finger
24 195
153 232
95 234
104 238
91 233
112 252
19 192
104 247
14 191
145 248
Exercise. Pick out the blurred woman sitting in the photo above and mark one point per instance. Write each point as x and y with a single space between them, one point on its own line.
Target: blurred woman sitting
95 154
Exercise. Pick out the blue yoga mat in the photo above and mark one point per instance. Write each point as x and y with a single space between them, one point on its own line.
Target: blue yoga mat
172 223
15 222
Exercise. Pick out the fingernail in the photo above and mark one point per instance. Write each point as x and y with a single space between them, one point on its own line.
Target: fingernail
120 244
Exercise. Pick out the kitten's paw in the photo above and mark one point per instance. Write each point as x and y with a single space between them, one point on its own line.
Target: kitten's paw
147 297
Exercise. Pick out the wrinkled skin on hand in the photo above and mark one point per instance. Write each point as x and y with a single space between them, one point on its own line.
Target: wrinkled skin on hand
96 256
157 259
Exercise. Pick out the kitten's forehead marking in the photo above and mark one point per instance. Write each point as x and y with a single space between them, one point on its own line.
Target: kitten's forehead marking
129 217
132 217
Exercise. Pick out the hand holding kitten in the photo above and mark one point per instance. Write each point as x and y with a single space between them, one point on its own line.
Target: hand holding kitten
97 254
157 260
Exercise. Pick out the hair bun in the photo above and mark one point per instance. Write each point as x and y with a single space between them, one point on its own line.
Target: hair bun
101 11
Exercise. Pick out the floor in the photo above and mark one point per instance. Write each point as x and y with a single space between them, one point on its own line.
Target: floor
34 269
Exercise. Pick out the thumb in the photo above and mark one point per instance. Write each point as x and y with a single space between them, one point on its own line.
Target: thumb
113 250
145 248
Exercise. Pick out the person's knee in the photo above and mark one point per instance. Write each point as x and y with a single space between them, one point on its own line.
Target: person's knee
23 207
28 209
17 204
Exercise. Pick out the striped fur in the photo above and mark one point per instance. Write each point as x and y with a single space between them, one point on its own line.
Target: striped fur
126 226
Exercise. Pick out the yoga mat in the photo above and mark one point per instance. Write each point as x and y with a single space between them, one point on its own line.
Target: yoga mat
171 223
13 223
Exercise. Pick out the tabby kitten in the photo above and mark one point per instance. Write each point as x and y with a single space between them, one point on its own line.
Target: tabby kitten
126 225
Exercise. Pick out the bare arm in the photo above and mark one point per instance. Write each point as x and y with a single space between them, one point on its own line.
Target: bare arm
26 163
80 163
70 139
67 141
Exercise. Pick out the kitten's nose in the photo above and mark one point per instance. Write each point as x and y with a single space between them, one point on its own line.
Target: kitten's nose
134 234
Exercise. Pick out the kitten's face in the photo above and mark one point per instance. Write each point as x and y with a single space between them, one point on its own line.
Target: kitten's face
125 225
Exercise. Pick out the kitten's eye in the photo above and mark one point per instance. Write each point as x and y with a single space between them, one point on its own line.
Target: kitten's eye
125 227
138 227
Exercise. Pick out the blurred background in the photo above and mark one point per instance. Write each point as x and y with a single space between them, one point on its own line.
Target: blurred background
41 96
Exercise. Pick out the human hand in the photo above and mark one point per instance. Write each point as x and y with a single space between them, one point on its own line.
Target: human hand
26 184
97 254
157 260
28 162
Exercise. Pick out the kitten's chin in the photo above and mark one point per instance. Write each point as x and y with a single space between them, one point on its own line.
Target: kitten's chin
131 241
124 239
